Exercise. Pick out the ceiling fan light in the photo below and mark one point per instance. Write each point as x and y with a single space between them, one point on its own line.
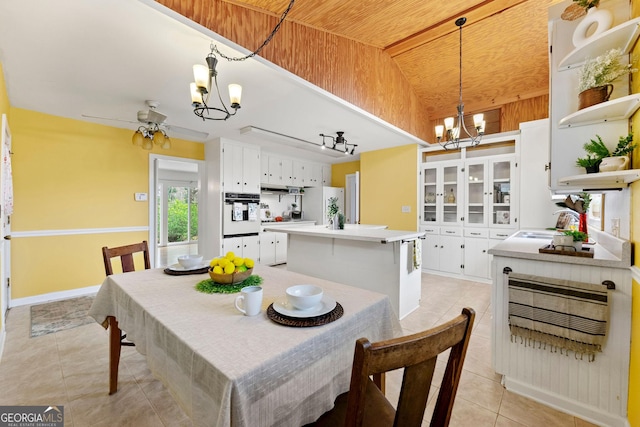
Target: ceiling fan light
147 144
235 95
138 138
201 77
158 138
166 144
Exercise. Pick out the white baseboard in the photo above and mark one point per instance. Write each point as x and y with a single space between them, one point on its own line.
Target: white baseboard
53 296
563 404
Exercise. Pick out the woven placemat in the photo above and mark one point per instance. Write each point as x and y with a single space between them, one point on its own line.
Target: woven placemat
170 272
334 314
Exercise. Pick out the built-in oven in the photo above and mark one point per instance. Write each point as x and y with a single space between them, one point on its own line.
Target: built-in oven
240 214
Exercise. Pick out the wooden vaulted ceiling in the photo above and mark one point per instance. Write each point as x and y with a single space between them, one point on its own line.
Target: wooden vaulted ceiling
505 48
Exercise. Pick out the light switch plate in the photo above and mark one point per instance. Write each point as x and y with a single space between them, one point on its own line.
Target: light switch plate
140 197
406 209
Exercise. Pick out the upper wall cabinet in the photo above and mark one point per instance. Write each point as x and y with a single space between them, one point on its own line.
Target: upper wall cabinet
284 171
240 168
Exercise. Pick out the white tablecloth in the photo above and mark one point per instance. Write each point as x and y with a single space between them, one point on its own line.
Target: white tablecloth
227 369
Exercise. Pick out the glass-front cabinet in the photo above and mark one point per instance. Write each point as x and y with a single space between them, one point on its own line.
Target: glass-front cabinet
442 199
488 189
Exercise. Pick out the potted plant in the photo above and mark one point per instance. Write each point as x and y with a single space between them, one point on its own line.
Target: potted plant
597 75
332 212
618 159
578 238
587 4
597 152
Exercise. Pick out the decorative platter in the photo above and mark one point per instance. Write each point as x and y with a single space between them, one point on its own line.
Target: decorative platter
298 322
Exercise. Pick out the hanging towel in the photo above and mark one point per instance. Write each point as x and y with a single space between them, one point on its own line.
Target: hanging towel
237 211
253 211
417 253
565 314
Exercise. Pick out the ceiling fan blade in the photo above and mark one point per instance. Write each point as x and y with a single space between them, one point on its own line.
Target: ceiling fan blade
109 118
155 117
186 131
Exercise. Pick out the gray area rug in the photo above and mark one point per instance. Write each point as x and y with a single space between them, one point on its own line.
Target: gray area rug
60 315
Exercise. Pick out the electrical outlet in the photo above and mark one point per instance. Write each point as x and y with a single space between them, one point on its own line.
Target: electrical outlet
406 209
140 197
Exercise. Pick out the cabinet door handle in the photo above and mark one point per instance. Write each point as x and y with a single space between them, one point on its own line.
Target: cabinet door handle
484 251
475 234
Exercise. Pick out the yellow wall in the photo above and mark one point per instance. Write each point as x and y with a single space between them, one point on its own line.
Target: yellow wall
388 181
73 175
339 171
634 368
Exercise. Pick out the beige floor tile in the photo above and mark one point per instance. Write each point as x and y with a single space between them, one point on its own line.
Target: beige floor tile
530 413
481 391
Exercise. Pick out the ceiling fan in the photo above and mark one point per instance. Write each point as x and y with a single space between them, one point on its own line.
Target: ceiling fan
155 120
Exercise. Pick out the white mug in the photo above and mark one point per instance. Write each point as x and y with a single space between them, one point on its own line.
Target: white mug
251 297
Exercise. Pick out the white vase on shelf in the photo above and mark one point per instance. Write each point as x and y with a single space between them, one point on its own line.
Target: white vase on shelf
601 18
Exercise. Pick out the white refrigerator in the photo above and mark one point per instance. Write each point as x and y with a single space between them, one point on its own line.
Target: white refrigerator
316 200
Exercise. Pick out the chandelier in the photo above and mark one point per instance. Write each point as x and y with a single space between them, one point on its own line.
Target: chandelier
146 136
206 77
339 143
451 139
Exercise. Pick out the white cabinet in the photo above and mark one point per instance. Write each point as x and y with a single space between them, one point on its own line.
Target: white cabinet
489 199
246 247
442 249
477 261
279 170
442 198
326 175
286 171
240 168
273 248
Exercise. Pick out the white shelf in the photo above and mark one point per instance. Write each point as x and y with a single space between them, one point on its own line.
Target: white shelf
601 180
622 36
616 109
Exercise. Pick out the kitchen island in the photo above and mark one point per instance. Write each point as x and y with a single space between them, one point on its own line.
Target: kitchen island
593 388
366 256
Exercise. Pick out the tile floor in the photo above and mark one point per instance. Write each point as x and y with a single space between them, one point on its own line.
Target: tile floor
70 368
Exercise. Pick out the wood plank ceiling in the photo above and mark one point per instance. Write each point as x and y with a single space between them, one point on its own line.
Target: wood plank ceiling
504 44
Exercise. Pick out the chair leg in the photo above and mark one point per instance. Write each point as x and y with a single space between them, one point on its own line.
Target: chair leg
114 353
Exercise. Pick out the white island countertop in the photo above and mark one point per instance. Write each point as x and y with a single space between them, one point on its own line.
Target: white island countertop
608 251
362 232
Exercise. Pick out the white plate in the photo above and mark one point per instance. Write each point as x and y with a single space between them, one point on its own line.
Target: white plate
178 267
326 305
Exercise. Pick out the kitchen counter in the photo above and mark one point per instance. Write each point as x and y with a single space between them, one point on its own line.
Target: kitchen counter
365 256
609 251
290 223
361 232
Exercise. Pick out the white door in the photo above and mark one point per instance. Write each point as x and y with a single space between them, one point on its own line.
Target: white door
352 199
6 209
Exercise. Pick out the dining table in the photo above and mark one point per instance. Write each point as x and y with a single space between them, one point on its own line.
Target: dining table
227 369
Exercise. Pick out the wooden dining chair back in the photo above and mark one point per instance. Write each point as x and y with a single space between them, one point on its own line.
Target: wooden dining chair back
365 404
125 253
117 338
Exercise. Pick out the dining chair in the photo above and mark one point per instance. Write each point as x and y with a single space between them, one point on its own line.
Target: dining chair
365 403
117 339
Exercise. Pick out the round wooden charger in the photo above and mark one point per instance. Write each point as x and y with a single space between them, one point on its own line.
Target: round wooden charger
334 314
184 273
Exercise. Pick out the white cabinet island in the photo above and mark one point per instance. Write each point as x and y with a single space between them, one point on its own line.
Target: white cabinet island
366 256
